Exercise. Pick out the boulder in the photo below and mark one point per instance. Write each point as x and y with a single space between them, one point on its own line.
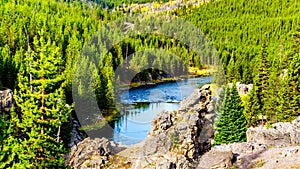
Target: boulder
295 132
253 155
241 148
6 100
242 88
91 153
270 137
281 135
216 160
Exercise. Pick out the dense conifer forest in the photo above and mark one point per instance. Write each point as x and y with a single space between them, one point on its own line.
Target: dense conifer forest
257 42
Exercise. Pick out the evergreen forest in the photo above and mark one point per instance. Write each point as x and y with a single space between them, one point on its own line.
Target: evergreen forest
256 42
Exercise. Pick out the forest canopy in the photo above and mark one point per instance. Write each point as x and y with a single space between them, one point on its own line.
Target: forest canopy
257 42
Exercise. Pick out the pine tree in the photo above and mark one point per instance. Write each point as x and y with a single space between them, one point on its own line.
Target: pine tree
72 54
4 132
105 88
220 100
9 140
271 102
257 97
252 108
219 76
42 102
231 124
8 68
263 76
290 90
86 84
232 71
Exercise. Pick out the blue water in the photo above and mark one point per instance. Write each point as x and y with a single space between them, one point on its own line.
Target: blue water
165 92
141 106
135 124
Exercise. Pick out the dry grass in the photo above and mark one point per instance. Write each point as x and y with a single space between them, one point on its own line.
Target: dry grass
214 87
119 162
98 124
295 166
206 71
257 164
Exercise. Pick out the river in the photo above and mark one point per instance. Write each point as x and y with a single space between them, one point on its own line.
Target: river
141 105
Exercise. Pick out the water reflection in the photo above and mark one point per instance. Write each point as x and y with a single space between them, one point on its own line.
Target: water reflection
141 106
135 123
165 92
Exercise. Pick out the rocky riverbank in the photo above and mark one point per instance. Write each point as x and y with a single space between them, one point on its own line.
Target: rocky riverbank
176 140
182 139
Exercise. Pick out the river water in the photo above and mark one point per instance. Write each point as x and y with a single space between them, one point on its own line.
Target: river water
141 105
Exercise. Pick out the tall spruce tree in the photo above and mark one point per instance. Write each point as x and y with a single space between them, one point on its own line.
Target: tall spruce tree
231 124
257 97
271 103
252 107
289 93
232 71
42 102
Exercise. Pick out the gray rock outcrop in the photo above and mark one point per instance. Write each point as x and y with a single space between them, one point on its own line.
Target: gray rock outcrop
177 139
281 135
252 155
216 160
76 134
242 88
6 100
92 153
241 148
